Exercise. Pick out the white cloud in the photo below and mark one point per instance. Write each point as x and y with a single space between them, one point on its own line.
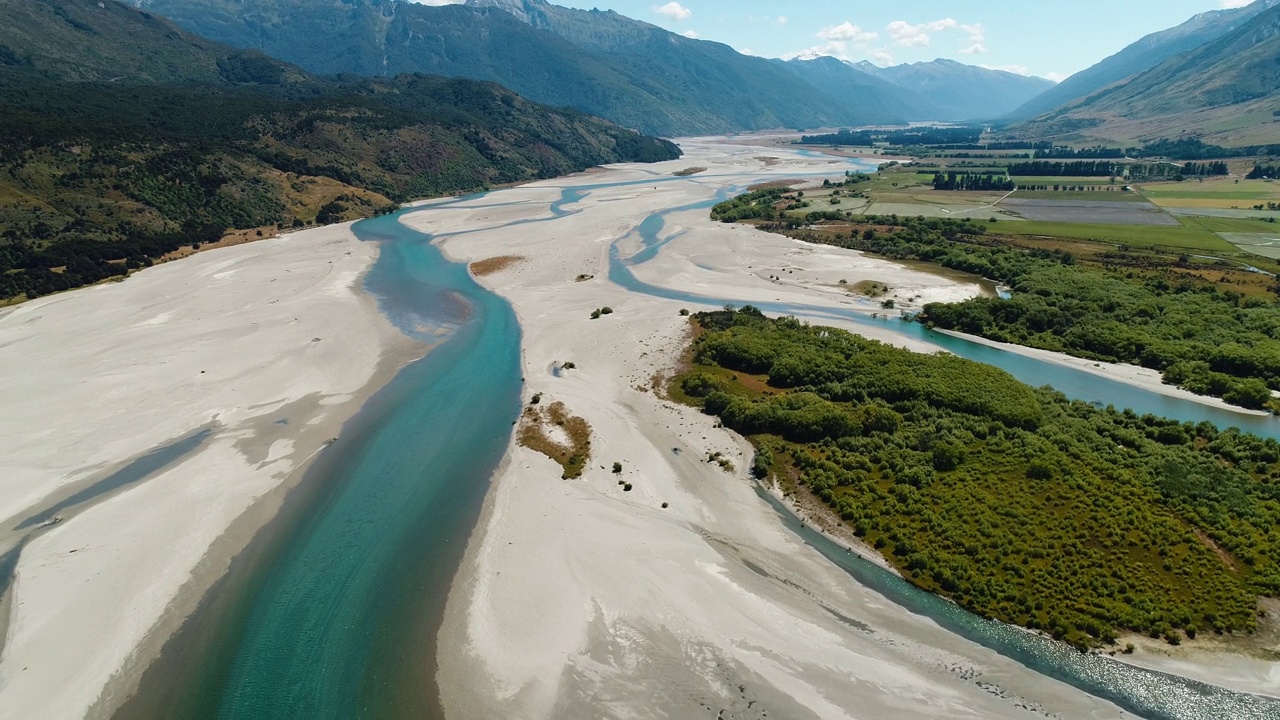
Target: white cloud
1015 69
831 49
782 19
881 56
674 10
908 35
977 39
837 39
1055 76
690 34
846 32
1234 3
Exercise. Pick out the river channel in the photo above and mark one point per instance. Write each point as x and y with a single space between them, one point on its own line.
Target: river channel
333 612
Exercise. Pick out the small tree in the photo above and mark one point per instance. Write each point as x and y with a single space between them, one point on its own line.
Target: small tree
617 468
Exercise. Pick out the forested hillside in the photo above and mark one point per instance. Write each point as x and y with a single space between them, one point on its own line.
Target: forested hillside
633 73
98 175
1017 503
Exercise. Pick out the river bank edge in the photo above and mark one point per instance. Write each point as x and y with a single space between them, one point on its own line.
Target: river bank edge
466 580
396 350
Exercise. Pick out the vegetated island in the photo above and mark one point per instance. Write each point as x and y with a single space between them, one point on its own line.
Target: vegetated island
1095 301
1015 502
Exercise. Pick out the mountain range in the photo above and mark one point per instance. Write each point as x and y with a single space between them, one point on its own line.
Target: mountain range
958 91
1140 56
126 138
1214 79
597 61
126 135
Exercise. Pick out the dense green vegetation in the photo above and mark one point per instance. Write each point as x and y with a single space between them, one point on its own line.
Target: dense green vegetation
954 180
1017 503
1044 168
1260 171
1098 151
1208 341
904 137
98 177
1208 169
755 204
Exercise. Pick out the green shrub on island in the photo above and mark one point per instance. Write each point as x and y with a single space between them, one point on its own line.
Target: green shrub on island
1015 502
756 204
1201 339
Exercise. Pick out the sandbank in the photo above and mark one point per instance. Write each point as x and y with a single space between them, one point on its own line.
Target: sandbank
267 347
578 599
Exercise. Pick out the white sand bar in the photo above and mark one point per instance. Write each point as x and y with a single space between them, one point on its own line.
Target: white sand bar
270 345
578 599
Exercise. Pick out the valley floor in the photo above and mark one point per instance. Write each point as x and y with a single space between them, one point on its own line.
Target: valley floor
576 598
579 598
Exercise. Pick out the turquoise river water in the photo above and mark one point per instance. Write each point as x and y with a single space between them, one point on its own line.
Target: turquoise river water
332 612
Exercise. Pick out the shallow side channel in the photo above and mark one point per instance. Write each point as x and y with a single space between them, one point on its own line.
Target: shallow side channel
333 610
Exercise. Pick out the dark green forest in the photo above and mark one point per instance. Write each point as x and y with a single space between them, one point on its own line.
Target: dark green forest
1042 168
1209 341
1260 171
972 181
99 176
1017 503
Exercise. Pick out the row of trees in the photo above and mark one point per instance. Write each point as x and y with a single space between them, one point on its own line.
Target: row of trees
1017 503
945 137
972 181
1209 169
1056 169
1070 152
1261 171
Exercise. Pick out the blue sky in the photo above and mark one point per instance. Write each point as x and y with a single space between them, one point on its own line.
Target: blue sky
1050 38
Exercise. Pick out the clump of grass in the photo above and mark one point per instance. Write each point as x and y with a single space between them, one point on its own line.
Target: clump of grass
572 457
494 264
719 459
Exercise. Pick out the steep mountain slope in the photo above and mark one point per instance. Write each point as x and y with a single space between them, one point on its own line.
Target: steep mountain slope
955 91
97 177
1240 66
598 62
1142 55
88 41
1224 92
